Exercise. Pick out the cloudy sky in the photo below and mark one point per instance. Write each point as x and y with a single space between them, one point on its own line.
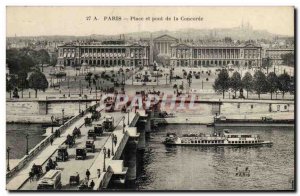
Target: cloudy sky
34 21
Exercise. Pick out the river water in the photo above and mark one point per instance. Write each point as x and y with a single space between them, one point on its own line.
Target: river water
214 168
196 168
16 138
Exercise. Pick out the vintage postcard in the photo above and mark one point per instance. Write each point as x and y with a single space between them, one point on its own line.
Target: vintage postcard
150 98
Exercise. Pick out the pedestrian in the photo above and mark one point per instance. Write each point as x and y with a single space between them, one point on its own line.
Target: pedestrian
87 173
51 141
115 140
108 153
31 174
92 184
99 172
58 133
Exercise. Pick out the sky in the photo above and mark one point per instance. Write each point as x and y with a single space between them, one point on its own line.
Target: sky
37 21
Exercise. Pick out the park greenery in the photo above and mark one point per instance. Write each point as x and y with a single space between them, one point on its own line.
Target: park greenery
24 67
259 83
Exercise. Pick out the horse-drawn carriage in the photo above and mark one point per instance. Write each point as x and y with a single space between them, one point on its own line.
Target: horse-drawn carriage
96 115
36 170
90 145
70 141
91 134
50 165
62 153
98 129
76 132
87 121
80 153
108 123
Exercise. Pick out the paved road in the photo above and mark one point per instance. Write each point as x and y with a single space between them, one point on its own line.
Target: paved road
93 162
17 181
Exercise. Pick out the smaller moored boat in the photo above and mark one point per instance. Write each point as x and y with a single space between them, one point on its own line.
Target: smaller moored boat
222 139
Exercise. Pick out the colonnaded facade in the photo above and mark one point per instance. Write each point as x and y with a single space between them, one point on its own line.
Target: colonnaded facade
275 54
106 53
119 52
204 55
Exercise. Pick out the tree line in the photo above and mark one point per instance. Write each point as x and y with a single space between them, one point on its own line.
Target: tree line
23 63
259 83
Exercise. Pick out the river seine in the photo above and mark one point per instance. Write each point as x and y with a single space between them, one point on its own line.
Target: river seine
214 168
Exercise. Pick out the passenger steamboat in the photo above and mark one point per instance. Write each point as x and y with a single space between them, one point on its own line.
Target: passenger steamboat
221 139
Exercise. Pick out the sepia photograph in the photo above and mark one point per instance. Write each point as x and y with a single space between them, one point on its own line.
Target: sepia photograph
150 98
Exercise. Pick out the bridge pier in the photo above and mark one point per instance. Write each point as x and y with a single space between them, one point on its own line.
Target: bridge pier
131 159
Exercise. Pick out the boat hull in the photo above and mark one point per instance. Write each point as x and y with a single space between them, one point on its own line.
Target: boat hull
197 144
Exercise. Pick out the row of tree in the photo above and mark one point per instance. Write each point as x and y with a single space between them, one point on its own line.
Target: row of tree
23 63
258 83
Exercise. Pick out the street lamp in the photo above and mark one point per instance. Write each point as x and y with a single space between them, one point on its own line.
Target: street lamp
79 106
52 118
7 150
128 119
112 144
85 101
124 123
27 137
63 110
104 155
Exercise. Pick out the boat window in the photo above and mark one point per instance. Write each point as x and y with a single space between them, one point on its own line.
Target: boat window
239 142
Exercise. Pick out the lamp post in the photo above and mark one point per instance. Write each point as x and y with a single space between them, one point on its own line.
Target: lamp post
27 137
7 150
124 124
85 101
52 118
79 106
104 155
128 119
167 78
63 111
112 145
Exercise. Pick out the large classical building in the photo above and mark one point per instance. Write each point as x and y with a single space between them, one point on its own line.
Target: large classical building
275 54
106 53
162 44
184 54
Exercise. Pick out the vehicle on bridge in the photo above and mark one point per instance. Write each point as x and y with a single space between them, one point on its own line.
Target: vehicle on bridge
108 123
76 132
51 181
37 170
87 121
62 153
74 179
70 141
91 134
96 115
51 165
98 129
90 146
81 153
109 107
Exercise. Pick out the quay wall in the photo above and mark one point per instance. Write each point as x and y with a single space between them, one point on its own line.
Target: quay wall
249 108
16 107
